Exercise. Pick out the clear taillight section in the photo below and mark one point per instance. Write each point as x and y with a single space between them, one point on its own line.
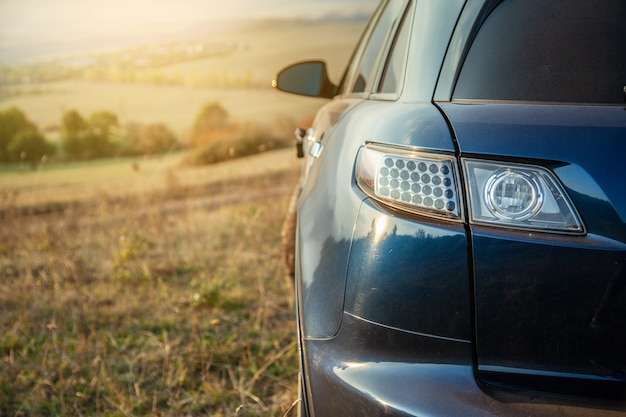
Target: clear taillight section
418 182
506 195
519 196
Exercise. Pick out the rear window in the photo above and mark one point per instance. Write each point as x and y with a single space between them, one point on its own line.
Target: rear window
548 51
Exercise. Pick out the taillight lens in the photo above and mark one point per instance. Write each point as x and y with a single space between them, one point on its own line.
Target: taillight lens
418 182
499 194
519 196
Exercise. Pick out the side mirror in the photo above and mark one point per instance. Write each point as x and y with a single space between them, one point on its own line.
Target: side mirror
308 78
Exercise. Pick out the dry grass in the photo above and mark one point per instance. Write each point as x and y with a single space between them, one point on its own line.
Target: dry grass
168 302
134 288
60 183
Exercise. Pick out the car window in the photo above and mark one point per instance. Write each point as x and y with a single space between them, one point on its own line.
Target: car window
548 51
345 84
394 69
363 78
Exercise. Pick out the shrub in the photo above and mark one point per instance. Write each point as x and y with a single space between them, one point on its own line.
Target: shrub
89 138
245 140
214 139
12 122
29 146
211 123
74 130
148 139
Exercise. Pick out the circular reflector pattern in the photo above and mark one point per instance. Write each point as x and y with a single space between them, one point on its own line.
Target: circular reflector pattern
427 184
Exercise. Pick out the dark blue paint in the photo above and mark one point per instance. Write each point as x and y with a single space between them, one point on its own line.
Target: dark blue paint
402 315
410 275
550 308
591 138
330 200
553 304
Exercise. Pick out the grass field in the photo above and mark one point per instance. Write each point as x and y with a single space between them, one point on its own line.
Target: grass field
134 287
166 300
61 183
176 106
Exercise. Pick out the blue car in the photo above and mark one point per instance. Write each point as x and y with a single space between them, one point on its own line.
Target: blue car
460 232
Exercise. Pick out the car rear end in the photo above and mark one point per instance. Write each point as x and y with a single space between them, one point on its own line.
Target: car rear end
486 271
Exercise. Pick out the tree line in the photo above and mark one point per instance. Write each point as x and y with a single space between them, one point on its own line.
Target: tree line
98 135
213 137
20 139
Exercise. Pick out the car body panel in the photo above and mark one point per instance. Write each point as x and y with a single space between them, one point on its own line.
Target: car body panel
343 117
399 278
555 307
587 138
324 258
371 370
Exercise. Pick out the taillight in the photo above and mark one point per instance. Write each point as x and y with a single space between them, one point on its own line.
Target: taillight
418 182
499 194
520 196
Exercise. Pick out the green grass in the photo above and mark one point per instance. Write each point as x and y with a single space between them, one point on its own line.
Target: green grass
169 301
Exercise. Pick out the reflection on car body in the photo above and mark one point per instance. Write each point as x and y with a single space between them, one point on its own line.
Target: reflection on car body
461 220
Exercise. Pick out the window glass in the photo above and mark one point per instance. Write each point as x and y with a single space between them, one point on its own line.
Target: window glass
548 51
353 62
363 79
394 70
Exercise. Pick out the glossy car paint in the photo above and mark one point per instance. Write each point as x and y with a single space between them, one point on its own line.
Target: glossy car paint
401 314
373 370
324 266
554 306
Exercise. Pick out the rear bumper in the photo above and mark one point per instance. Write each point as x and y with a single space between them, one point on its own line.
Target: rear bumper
373 370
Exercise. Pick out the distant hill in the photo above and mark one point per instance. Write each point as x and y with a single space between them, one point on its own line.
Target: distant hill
32 30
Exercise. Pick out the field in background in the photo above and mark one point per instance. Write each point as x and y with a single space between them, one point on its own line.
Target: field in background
241 79
140 287
51 185
154 292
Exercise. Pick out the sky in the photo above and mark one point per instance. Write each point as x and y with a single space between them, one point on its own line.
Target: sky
34 29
